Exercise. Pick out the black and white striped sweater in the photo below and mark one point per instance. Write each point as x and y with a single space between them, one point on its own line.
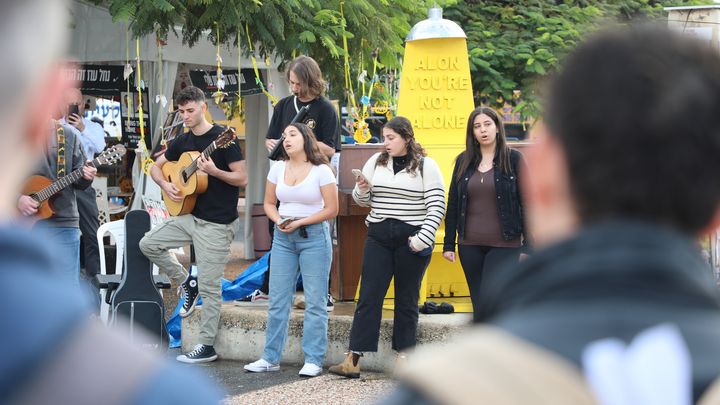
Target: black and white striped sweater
417 199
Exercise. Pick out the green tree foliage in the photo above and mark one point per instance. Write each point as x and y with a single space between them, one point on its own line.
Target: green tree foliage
285 28
513 44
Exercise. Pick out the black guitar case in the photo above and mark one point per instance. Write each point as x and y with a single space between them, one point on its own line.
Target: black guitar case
137 299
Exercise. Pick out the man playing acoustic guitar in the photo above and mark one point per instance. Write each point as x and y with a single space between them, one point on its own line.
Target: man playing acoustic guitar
210 226
63 155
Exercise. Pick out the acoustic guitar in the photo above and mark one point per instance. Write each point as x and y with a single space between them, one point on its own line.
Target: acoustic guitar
42 189
185 176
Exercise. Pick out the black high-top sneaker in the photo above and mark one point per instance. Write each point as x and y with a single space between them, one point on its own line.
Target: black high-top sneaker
190 294
201 354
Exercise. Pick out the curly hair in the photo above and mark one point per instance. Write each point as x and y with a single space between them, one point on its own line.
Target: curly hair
415 151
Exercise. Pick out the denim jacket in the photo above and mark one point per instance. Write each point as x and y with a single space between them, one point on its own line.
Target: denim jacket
509 202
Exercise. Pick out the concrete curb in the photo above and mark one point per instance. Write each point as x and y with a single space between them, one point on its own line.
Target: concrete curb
241 335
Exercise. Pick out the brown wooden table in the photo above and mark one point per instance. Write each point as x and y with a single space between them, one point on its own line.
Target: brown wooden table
351 229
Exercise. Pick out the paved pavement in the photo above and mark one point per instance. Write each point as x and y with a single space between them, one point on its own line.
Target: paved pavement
286 387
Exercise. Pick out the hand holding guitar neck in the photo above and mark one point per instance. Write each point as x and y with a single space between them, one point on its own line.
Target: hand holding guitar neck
42 189
188 176
278 149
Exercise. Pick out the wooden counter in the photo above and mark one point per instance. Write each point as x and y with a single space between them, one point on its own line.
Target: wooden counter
351 229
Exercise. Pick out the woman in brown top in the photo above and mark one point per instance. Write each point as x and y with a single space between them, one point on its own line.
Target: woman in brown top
484 210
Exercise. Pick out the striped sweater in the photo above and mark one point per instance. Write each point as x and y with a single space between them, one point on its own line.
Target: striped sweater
417 199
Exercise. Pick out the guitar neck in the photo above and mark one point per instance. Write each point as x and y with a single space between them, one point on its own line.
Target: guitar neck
190 170
62 183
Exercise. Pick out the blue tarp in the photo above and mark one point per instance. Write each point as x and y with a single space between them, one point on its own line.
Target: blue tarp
248 281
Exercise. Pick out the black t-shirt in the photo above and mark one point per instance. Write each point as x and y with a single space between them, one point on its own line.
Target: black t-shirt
218 203
322 118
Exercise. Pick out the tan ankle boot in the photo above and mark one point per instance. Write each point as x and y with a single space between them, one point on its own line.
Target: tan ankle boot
350 367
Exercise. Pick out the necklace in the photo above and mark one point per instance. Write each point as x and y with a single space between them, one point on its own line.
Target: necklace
483 173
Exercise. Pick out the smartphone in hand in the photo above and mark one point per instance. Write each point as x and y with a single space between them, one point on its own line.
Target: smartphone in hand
359 175
284 222
73 109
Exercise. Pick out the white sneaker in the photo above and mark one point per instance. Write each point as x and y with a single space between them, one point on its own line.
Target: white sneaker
310 370
261 366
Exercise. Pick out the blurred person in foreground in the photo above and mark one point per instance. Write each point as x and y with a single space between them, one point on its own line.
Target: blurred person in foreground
617 306
55 353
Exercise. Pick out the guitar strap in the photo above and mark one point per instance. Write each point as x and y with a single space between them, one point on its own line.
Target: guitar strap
60 152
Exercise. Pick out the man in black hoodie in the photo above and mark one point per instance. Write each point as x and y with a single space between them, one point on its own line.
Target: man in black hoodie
623 179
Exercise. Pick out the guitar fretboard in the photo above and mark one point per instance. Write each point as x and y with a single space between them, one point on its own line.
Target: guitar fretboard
60 184
190 170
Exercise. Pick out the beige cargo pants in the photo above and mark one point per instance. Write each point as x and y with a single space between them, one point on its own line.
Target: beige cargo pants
212 250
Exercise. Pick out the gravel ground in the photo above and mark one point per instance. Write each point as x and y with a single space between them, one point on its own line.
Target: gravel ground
326 389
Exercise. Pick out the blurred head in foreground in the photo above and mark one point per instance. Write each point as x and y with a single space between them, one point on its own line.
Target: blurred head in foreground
631 131
56 349
33 35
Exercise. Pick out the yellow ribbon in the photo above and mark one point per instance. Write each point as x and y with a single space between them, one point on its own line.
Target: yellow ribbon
348 80
272 98
360 125
162 88
147 161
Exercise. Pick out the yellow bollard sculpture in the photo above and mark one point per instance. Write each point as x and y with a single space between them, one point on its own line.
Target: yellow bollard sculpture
436 95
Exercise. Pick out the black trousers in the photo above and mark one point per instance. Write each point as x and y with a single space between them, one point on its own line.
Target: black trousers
386 255
88 210
480 262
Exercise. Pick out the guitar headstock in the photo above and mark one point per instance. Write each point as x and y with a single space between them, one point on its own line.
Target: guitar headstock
226 138
111 155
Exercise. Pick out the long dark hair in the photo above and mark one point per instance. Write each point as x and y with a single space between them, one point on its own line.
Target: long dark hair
310 146
415 152
472 156
309 74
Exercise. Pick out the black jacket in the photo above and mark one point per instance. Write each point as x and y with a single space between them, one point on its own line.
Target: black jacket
509 201
611 280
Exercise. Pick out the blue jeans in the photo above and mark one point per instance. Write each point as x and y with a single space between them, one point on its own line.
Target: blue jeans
292 254
66 243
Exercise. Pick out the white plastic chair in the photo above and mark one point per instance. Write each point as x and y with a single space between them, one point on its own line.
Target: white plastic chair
100 186
116 229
